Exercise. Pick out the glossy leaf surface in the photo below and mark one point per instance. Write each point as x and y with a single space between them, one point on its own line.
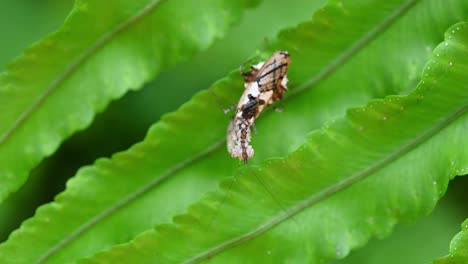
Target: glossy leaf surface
103 50
344 182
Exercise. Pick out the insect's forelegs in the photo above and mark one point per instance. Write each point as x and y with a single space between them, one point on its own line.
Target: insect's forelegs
229 109
254 128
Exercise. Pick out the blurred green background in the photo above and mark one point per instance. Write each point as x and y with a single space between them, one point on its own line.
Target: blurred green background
23 22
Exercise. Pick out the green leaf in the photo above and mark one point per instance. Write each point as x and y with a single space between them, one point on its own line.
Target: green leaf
400 247
354 178
183 156
17 18
458 248
104 49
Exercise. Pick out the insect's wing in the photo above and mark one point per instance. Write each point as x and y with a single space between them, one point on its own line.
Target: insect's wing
280 89
272 76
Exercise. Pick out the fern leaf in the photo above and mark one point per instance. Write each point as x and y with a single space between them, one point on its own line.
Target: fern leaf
104 49
458 248
353 179
398 247
183 156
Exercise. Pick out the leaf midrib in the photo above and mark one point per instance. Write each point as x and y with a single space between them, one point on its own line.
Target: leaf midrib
327 192
72 68
340 59
348 53
125 201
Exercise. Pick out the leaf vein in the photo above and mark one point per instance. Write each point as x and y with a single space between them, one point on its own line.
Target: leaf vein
352 50
347 54
125 201
327 192
105 38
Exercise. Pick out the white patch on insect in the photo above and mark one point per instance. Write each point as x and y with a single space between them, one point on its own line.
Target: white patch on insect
250 88
233 142
264 84
284 82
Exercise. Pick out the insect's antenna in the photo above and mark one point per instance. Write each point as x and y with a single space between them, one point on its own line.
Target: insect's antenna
271 194
218 101
265 44
220 205
256 57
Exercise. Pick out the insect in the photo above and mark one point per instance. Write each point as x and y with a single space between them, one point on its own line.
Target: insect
264 84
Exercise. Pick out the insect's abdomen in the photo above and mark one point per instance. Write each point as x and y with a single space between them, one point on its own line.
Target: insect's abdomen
238 139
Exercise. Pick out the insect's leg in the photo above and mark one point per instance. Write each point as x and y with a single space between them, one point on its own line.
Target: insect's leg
218 101
229 109
254 128
278 109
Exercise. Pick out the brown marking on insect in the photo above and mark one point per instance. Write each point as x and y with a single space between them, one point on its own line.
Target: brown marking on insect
250 75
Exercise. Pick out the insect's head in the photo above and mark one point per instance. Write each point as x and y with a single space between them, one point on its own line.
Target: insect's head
284 53
283 56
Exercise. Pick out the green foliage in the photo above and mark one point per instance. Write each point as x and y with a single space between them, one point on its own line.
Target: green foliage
91 60
325 184
339 173
402 245
17 18
458 248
